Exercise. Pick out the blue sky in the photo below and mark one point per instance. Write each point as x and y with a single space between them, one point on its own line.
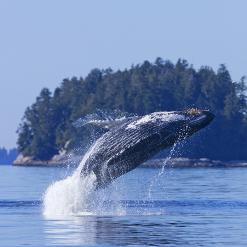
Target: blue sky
42 42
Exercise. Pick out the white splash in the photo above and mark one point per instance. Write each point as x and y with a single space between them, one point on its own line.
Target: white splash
70 195
155 117
76 195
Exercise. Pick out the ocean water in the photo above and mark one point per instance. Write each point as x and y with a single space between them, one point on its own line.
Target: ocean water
179 207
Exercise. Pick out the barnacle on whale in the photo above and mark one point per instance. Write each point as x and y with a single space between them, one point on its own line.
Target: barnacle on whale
193 111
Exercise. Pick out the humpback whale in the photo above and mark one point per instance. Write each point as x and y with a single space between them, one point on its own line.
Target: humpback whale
133 140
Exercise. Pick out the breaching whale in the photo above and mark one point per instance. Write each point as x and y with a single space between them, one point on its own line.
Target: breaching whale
133 140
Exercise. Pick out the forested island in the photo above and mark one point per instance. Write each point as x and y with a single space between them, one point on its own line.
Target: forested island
47 127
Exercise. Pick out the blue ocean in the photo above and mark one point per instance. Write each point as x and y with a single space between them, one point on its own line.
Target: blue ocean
146 207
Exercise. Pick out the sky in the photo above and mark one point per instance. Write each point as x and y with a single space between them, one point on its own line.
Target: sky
43 41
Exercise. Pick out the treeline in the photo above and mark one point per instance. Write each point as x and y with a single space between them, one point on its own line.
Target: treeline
47 126
7 156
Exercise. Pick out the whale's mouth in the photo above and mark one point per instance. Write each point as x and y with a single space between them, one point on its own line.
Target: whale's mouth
198 119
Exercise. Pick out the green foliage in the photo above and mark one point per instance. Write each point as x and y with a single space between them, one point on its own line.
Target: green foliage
37 132
161 86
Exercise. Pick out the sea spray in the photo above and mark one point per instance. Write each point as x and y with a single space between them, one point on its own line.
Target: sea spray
70 195
173 151
76 195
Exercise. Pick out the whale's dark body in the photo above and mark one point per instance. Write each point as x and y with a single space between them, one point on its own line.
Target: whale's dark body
132 142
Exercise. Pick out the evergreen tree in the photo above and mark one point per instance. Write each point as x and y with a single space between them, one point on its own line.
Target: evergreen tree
47 126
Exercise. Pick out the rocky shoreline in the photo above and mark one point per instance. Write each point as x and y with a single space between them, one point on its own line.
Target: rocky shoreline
72 160
186 163
57 160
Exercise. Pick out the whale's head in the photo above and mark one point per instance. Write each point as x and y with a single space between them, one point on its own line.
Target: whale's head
175 123
185 123
196 119
177 126
182 124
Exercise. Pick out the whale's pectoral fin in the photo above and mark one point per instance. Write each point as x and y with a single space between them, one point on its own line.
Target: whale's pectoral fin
103 177
104 120
100 182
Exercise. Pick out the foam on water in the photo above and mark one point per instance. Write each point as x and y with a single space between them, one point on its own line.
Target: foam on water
70 195
76 195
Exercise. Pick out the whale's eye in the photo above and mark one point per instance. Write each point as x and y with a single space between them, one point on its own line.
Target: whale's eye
193 111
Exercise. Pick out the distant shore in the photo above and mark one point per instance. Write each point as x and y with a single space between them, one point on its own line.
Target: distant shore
60 161
186 162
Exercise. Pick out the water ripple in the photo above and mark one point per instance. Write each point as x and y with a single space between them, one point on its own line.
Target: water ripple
18 203
145 203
